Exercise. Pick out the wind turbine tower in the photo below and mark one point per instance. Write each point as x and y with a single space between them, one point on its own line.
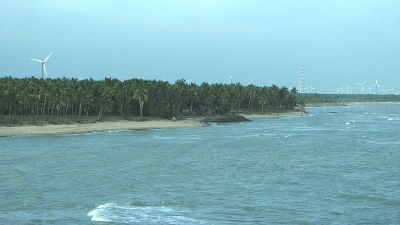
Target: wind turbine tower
362 87
302 88
42 62
376 85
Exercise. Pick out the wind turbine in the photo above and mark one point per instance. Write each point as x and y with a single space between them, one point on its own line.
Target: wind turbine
230 79
369 89
362 87
343 89
311 88
42 62
348 88
376 85
189 81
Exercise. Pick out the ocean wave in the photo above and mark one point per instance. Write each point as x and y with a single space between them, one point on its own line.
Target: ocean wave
180 137
126 213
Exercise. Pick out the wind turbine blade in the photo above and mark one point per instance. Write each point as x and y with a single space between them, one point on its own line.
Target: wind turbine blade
47 57
37 60
44 68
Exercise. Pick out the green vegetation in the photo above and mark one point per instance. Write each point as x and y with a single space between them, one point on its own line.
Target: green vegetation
46 99
340 99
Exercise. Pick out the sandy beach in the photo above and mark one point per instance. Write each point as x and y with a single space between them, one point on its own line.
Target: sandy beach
121 125
97 127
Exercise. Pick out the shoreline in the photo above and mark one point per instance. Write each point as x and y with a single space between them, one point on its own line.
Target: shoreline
119 125
350 104
106 126
50 129
274 115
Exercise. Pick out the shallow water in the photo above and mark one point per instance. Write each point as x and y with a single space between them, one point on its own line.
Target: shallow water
339 165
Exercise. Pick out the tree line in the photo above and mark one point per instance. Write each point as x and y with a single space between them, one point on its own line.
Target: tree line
34 97
343 98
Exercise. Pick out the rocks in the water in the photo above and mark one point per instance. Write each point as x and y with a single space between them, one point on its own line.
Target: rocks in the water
225 119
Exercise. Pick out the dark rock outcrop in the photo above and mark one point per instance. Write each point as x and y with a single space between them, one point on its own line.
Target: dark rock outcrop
224 119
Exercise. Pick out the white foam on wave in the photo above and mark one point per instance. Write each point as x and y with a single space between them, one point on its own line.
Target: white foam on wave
116 131
211 124
99 214
162 137
180 137
120 213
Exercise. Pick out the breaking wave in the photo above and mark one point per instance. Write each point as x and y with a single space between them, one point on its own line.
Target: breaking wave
120 213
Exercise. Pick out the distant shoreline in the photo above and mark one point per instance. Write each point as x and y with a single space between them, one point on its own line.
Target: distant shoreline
348 103
50 129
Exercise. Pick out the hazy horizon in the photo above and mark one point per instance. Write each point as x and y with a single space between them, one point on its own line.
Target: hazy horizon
263 42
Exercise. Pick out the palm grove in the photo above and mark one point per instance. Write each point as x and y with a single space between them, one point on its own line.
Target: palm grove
34 97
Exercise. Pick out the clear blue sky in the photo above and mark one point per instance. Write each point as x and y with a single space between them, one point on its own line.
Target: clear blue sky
265 42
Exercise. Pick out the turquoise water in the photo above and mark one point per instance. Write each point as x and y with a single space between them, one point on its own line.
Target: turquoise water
339 165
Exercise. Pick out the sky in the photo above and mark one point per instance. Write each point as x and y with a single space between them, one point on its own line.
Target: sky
263 42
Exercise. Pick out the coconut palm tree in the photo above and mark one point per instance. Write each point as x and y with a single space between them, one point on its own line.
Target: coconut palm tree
282 97
103 97
251 91
207 96
292 98
179 93
11 94
55 97
238 95
140 93
192 95
263 97
273 97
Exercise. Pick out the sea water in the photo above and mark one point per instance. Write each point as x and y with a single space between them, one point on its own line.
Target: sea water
338 165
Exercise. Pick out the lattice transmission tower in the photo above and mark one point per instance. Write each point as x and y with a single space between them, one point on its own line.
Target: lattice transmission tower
302 88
